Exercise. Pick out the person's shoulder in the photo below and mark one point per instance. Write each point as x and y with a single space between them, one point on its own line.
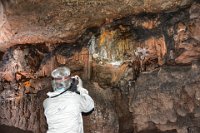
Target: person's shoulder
70 96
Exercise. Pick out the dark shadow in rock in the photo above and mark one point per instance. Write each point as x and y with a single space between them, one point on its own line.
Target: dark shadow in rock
8 129
1 55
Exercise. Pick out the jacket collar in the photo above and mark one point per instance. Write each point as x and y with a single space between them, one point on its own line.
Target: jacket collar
52 94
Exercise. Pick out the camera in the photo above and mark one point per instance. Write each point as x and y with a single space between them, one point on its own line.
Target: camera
74 85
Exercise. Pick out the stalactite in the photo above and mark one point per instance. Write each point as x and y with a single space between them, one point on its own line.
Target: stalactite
92 51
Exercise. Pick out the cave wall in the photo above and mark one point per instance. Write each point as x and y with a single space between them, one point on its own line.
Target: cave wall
169 100
142 71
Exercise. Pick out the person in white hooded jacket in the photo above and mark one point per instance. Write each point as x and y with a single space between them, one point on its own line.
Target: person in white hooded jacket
64 106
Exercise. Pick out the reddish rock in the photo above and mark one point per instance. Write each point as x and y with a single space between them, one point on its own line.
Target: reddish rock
141 70
64 21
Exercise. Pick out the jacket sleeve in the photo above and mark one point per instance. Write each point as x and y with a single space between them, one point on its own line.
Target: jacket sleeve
45 103
87 103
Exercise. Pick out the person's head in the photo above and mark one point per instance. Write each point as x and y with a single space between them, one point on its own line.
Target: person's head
61 79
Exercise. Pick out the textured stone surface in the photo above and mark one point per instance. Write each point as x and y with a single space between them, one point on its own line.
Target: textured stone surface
49 21
142 70
187 37
167 95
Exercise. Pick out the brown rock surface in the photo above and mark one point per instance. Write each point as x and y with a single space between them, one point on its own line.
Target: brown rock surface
166 97
49 21
142 70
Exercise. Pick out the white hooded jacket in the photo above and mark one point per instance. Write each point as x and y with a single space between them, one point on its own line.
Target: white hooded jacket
63 113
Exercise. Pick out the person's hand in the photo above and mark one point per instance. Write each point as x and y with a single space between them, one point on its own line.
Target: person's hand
80 85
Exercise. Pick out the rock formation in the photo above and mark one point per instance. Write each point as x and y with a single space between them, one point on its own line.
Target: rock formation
138 59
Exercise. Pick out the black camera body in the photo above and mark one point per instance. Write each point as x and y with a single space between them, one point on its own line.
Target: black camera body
73 87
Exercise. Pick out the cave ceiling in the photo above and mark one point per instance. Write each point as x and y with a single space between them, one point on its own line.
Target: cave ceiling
64 21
